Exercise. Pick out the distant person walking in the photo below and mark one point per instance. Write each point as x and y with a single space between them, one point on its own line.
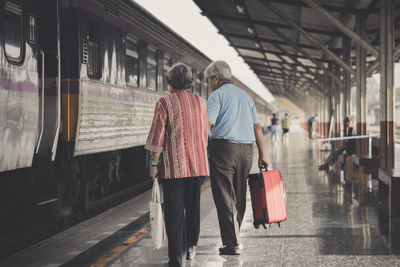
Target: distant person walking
310 122
274 128
285 128
235 126
178 142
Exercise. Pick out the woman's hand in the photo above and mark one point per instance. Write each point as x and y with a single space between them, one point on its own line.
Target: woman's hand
154 172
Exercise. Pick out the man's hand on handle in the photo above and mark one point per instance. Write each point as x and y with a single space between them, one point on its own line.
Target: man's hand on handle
262 159
263 162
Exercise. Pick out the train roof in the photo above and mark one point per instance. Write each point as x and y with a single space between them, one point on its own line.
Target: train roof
167 38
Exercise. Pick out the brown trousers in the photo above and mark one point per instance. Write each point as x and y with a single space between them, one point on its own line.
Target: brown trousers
230 164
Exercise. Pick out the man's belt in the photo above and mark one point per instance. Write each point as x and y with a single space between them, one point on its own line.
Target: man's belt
230 142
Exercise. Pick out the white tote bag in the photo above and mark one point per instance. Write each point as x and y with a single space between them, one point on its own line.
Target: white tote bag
158 232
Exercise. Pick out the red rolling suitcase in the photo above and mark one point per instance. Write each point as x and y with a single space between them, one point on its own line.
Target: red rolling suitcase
267 198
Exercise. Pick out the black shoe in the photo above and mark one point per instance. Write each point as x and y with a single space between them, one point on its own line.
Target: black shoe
226 250
323 167
191 252
170 264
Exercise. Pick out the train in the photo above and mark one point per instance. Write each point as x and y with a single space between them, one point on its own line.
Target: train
78 84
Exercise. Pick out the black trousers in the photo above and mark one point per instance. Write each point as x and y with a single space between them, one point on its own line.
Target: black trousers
229 169
182 216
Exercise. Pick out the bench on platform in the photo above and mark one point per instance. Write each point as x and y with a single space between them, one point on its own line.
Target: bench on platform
368 163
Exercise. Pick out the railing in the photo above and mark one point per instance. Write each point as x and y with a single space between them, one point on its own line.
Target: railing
353 137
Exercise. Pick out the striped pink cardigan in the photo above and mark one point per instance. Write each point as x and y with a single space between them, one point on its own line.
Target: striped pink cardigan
180 131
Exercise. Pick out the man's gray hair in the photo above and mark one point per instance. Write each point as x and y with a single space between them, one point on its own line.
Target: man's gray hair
219 69
180 76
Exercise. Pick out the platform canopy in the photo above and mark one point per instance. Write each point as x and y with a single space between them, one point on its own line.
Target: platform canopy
300 48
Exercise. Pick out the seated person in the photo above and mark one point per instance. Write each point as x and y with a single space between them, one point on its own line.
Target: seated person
349 146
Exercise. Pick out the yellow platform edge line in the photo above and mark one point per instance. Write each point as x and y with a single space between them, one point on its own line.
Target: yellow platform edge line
111 255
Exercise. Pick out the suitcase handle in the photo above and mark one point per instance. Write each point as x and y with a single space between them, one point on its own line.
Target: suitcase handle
263 168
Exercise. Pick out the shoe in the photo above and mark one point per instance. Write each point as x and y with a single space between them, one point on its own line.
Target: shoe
191 252
323 167
170 264
226 250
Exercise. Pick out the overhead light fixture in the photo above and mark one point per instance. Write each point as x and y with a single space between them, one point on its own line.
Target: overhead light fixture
250 29
257 45
240 9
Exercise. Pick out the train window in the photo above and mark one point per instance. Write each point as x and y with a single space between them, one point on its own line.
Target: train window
32 29
93 68
132 61
13 30
151 68
192 88
204 92
167 65
197 83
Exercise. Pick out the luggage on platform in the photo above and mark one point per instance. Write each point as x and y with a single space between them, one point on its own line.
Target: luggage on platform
268 198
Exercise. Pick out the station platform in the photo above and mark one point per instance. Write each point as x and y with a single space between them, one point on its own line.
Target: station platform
329 224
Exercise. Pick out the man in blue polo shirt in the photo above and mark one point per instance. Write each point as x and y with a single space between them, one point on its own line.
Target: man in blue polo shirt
234 126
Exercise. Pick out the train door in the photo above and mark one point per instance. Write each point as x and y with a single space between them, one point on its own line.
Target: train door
18 85
49 71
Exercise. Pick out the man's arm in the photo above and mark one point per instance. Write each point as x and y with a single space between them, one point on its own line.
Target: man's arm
262 158
210 124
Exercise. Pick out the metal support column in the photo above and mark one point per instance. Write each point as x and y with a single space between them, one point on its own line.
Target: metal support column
337 107
328 100
347 82
320 133
386 47
332 101
361 87
329 115
324 116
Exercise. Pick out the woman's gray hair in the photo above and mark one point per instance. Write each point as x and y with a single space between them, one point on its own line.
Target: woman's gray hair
179 76
219 69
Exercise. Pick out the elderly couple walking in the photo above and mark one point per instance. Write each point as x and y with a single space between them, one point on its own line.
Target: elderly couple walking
178 141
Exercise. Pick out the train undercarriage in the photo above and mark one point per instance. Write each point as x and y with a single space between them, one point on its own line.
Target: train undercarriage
51 196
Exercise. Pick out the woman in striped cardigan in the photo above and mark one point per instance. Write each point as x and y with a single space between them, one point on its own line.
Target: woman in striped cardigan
178 142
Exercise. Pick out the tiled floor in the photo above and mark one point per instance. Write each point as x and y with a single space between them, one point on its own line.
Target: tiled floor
327 225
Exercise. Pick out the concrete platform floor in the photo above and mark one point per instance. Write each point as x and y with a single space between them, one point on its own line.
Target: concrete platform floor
330 223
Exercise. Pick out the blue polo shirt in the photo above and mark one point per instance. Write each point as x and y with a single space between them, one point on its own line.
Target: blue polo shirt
233 114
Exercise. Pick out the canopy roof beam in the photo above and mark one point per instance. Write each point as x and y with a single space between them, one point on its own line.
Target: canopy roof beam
275 61
328 7
295 59
331 18
305 53
278 53
308 36
267 40
293 77
268 23
374 66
